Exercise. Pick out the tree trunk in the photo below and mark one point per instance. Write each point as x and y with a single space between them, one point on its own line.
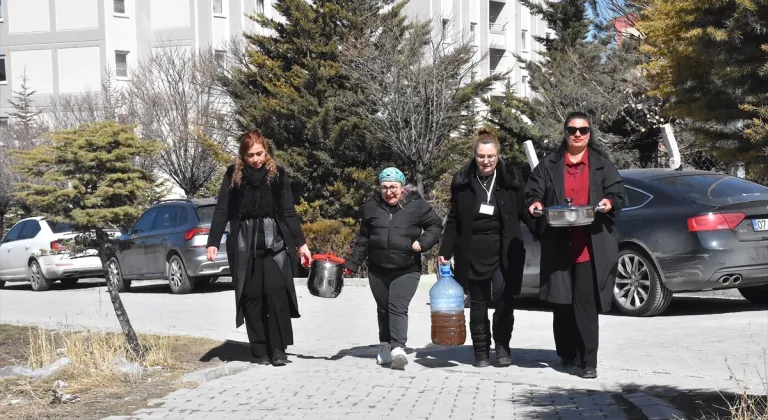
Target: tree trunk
2 225
419 175
122 316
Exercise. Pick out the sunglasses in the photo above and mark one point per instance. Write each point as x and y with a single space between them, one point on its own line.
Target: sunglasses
582 130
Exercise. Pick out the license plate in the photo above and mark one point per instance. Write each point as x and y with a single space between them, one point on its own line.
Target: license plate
760 225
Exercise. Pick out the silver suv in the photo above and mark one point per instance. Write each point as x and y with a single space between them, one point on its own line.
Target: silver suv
168 242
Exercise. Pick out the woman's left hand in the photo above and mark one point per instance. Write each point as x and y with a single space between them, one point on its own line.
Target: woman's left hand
606 203
306 256
416 246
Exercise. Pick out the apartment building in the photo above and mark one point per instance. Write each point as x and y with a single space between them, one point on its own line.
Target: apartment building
66 46
500 29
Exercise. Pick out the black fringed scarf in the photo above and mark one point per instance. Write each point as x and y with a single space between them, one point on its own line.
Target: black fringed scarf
257 194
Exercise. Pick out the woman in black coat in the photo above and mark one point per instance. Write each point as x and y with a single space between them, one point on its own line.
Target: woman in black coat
578 264
395 228
264 231
483 235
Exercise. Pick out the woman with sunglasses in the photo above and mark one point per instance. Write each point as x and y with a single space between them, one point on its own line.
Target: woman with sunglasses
396 227
482 234
578 264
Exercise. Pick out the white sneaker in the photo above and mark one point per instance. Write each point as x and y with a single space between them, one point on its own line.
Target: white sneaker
399 360
383 357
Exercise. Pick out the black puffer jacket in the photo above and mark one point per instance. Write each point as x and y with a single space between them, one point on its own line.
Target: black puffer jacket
387 233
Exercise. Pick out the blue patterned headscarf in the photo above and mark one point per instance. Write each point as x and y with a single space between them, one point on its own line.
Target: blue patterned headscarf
392 175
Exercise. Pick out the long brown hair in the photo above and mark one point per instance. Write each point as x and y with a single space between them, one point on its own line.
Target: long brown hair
247 141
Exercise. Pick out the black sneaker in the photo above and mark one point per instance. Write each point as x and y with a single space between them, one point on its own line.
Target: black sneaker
260 360
589 373
503 358
279 357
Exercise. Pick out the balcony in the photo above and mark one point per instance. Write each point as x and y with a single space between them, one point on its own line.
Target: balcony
498 36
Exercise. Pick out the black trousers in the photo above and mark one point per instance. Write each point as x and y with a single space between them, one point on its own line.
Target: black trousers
393 295
266 306
575 326
504 313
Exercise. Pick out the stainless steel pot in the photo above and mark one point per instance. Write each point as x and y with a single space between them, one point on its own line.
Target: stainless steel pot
569 215
326 276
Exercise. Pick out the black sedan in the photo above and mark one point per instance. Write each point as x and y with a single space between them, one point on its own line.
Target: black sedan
683 231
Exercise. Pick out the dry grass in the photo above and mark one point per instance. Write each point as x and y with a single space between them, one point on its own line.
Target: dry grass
92 372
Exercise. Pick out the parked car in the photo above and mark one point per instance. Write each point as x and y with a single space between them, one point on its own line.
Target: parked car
168 242
33 251
682 231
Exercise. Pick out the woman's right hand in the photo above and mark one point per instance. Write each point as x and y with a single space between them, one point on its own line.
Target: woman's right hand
535 206
211 253
443 260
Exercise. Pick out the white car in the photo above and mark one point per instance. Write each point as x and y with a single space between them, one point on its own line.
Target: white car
32 251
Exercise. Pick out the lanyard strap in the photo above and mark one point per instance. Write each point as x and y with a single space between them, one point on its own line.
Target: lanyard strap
489 191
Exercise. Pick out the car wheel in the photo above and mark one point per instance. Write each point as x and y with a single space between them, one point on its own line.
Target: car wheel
37 279
177 277
755 294
115 276
69 282
638 290
2 284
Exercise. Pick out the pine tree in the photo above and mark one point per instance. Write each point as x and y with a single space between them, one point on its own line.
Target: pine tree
290 88
27 128
89 180
709 60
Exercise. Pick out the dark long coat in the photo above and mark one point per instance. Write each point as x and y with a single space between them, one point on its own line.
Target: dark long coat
228 210
547 185
457 236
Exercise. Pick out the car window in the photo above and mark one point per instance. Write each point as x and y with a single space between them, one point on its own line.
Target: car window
205 213
59 227
13 234
634 198
168 217
30 230
144 224
714 189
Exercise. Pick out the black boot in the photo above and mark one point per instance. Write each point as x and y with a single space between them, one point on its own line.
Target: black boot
279 358
481 344
502 334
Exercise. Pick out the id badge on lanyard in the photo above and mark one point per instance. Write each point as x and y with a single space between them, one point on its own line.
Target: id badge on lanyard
487 207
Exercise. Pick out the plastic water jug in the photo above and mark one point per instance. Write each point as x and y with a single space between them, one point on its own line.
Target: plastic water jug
446 302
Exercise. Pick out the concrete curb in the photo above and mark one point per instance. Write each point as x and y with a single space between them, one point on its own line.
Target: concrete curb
209 374
654 408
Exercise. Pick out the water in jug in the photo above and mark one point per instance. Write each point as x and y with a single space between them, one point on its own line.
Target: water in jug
446 302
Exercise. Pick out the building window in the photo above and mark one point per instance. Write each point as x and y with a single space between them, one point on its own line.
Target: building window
524 87
259 6
118 6
3 79
219 56
1 10
3 121
218 7
524 40
121 63
472 27
548 35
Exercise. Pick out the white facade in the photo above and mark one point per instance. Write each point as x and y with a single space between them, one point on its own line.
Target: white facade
66 46
501 29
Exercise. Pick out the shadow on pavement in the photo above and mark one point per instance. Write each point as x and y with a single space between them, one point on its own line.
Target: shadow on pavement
229 351
433 356
636 402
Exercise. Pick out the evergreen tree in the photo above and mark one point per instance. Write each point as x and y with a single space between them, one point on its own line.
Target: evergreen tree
27 128
709 60
290 86
90 181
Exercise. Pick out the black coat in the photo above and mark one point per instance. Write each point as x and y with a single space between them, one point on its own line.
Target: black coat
547 185
228 210
387 233
457 237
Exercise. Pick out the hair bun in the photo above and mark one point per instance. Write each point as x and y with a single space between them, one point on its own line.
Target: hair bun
485 131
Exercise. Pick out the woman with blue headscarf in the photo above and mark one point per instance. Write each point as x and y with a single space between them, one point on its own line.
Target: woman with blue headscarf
395 228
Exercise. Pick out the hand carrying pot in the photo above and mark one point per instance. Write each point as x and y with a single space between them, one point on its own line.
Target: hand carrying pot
569 215
326 275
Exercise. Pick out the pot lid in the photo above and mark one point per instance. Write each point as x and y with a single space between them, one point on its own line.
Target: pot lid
329 257
568 206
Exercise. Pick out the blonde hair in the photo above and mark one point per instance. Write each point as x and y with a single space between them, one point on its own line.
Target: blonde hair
247 141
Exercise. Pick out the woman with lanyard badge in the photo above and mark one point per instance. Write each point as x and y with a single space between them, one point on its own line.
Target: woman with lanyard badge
483 235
